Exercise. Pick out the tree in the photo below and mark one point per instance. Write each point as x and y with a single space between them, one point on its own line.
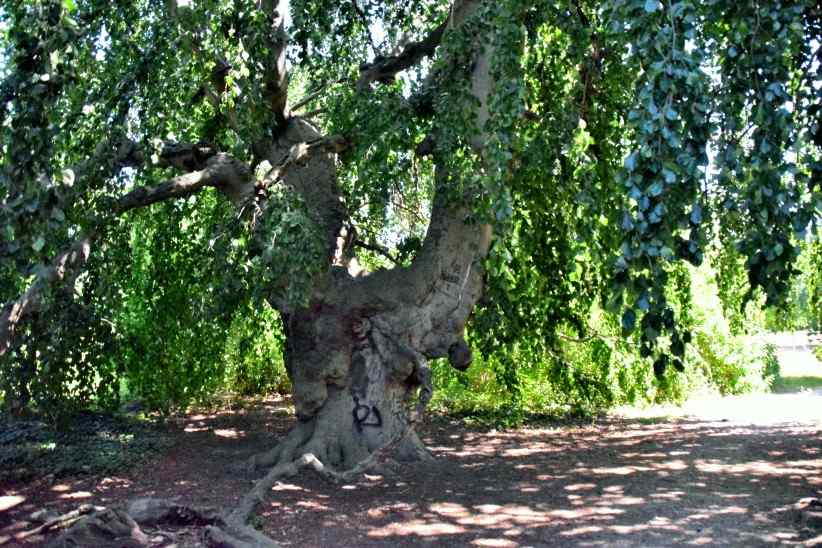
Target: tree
391 172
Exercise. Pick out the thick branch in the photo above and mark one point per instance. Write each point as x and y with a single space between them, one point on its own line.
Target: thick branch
304 161
223 172
229 176
300 153
378 249
114 154
384 69
276 77
14 313
444 281
182 156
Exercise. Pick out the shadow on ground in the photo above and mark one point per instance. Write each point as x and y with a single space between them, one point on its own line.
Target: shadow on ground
616 482
606 484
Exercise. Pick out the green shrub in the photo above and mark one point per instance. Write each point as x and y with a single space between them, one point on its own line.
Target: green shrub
253 356
734 365
586 376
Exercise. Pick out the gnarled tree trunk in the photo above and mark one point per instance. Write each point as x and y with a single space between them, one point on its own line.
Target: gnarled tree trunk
358 355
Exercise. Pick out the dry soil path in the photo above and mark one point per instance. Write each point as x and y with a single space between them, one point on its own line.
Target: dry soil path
715 473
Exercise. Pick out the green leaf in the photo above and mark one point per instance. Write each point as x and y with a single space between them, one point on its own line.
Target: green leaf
38 244
643 303
630 161
655 189
627 222
628 320
660 365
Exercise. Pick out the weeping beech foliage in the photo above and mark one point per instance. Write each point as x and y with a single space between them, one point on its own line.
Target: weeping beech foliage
601 141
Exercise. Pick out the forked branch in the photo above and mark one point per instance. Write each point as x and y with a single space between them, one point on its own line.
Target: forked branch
220 171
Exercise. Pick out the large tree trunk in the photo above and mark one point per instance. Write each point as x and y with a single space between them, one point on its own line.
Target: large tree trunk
354 389
358 355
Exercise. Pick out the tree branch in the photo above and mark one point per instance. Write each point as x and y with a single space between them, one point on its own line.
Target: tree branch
276 79
119 152
187 156
222 172
445 279
60 521
378 249
384 69
364 19
14 313
304 162
583 340
308 98
300 153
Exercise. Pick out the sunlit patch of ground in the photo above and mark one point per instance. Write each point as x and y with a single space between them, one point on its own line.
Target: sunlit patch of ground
801 370
616 482
797 394
718 471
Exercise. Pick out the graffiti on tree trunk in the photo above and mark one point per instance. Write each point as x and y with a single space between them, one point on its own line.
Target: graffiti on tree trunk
362 414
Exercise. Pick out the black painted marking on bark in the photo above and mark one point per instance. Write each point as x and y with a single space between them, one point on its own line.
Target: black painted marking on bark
362 413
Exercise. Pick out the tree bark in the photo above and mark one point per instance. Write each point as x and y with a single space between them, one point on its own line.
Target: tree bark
353 378
358 356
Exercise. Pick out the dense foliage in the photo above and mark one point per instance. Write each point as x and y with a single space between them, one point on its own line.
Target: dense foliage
625 139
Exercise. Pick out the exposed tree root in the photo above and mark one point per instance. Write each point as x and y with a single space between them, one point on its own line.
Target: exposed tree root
92 526
238 534
108 527
60 522
95 526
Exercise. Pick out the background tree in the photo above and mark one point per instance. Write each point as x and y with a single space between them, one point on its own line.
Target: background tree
382 175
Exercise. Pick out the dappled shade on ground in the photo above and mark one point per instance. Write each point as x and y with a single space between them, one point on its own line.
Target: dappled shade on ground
617 481
608 483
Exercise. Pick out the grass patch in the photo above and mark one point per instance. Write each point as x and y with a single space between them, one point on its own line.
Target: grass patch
92 443
796 384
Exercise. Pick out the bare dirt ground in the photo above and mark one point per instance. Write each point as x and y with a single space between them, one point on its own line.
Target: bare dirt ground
717 472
